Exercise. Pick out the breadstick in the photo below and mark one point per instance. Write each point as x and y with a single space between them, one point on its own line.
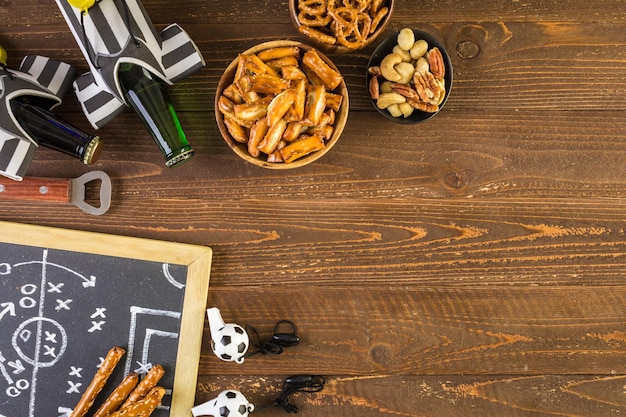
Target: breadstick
98 382
143 407
119 394
147 383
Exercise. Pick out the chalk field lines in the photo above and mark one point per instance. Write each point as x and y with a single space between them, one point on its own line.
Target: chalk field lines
39 342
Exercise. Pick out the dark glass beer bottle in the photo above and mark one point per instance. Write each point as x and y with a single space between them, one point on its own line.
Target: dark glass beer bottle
148 97
51 131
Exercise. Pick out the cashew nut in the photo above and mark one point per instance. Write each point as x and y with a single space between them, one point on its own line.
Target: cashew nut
406 56
406 109
387 67
406 38
406 70
395 110
422 65
387 99
419 49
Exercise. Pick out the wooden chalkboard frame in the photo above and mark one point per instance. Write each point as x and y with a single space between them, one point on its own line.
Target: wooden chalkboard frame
196 258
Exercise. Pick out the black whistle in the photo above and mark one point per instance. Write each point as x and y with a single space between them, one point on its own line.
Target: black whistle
285 339
299 380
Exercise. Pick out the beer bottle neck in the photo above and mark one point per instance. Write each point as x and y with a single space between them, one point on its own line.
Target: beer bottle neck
51 131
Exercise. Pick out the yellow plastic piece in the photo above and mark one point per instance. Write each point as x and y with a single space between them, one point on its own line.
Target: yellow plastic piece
83 5
3 56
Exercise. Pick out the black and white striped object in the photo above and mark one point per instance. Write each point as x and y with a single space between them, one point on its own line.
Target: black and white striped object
43 78
112 32
56 76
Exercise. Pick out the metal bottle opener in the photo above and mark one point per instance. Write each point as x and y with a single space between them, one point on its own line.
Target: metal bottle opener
59 190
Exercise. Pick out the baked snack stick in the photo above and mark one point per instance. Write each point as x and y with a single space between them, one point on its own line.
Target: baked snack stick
148 382
143 407
119 394
99 380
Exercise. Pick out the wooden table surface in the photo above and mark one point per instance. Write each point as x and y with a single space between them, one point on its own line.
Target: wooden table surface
473 265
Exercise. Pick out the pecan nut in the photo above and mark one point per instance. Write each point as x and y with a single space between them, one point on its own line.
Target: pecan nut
374 87
435 61
429 89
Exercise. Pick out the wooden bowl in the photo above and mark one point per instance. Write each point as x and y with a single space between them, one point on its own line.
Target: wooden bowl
241 149
337 47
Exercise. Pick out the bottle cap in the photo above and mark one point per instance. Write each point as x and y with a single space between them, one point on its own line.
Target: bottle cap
83 5
179 157
3 56
92 153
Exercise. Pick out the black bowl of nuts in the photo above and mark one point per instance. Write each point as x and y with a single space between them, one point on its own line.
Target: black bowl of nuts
409 76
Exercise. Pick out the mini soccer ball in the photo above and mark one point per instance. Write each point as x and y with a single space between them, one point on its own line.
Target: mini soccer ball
228 403
231 344
232 404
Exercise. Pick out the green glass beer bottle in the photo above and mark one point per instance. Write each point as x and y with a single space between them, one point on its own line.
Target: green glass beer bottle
147 95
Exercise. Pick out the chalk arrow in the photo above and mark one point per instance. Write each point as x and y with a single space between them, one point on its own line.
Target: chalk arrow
89 282
7 308
17 366
3 370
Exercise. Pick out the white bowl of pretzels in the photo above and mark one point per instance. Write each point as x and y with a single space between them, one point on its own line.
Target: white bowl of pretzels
341 25
281 104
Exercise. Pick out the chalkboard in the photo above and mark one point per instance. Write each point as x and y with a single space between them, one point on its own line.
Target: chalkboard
67 297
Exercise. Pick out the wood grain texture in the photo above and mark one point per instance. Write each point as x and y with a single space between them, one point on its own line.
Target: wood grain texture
473 265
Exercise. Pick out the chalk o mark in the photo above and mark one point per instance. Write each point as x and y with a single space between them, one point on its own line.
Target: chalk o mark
39 322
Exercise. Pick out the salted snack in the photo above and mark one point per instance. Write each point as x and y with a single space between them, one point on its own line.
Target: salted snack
410 77
98 382
282 103
349 23
131 398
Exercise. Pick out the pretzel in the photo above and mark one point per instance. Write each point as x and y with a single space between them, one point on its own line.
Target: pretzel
348 23
278 52
272 137
296 112
143 407
313 13
329 76
119 394
149 381
377 18
315 105
99 380
257 133
302 147
252 111
279 106
351 27
317 35
237 131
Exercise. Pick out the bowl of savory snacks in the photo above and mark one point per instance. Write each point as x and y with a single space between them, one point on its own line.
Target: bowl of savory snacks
409 76
340 25
281 104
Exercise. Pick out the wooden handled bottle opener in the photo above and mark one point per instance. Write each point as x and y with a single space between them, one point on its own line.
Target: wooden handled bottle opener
59 190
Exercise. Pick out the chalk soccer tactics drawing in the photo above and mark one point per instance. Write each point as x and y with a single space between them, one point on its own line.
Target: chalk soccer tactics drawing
61 321
107 39
37 76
